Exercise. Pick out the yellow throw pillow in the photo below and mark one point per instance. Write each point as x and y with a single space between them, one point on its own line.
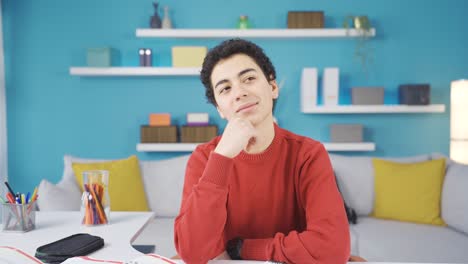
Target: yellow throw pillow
125 184
409 191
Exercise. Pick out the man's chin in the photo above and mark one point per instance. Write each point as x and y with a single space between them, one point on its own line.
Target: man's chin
254 119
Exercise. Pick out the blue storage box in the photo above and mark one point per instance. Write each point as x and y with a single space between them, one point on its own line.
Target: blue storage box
99 57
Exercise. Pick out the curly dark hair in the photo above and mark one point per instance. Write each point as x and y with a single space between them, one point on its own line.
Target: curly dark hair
227 49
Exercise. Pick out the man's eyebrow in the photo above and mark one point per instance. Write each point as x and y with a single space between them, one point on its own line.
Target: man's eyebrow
245 71
239 74
221 82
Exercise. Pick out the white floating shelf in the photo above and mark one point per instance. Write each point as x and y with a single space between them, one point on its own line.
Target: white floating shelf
166 147
254 33
384 109
134 71
358 146
188 147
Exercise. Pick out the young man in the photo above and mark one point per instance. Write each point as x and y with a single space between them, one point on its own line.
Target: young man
258 192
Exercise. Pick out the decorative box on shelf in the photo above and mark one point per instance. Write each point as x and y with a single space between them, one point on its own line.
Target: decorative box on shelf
305 19
188 56
346 133
159 119
158 134
98 57
367 95
198 134
414 94
102 57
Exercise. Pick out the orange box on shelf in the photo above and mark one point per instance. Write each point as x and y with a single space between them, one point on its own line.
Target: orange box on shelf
160 119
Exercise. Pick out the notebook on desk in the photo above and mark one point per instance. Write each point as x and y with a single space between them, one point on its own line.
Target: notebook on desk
146 259
11 255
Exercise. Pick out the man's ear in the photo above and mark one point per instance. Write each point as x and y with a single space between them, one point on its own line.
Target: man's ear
275 89
220 113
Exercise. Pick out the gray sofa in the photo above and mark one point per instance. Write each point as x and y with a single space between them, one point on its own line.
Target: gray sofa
371 238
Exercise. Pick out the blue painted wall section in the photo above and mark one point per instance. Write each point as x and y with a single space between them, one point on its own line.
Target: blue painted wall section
50 113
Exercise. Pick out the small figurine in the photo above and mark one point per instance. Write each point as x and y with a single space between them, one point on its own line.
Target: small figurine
145 57
155 21
244 22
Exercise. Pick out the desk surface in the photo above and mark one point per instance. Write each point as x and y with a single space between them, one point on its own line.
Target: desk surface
118 235
122 230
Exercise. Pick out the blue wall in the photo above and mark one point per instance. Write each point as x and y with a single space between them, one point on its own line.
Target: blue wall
51 113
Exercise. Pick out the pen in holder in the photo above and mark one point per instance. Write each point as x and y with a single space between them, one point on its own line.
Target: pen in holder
18 217
95 201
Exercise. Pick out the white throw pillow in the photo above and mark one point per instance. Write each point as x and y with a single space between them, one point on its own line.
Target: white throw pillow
455 198
65 196
164 182
355 177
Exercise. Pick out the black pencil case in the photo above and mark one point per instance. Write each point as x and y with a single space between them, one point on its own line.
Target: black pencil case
68 247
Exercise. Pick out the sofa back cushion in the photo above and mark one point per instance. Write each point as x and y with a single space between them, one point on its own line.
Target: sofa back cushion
64 196
164 181
356 179
455 197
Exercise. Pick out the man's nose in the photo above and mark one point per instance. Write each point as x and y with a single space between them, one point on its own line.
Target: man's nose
240 92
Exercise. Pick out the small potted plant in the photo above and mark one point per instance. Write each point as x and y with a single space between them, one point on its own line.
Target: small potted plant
363 51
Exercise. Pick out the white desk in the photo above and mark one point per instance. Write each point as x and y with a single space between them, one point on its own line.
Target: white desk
118 235
123 229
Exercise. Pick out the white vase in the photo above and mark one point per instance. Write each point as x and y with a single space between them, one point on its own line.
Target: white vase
166 23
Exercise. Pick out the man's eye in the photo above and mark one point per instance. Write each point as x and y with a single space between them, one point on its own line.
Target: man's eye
249 79
225 89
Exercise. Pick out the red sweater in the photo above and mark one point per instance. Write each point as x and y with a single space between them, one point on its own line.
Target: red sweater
283 202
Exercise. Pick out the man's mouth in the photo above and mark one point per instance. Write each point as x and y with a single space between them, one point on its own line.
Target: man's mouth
246 107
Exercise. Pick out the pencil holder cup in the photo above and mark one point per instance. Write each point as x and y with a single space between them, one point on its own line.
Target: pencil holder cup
95 201
18 217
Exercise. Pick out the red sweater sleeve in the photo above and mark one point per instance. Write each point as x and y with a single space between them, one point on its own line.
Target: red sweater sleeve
326 238
199 227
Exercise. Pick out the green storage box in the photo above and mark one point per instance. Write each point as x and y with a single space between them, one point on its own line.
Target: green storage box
99 57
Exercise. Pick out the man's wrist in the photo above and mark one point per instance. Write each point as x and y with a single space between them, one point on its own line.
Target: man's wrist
223 153
234 248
